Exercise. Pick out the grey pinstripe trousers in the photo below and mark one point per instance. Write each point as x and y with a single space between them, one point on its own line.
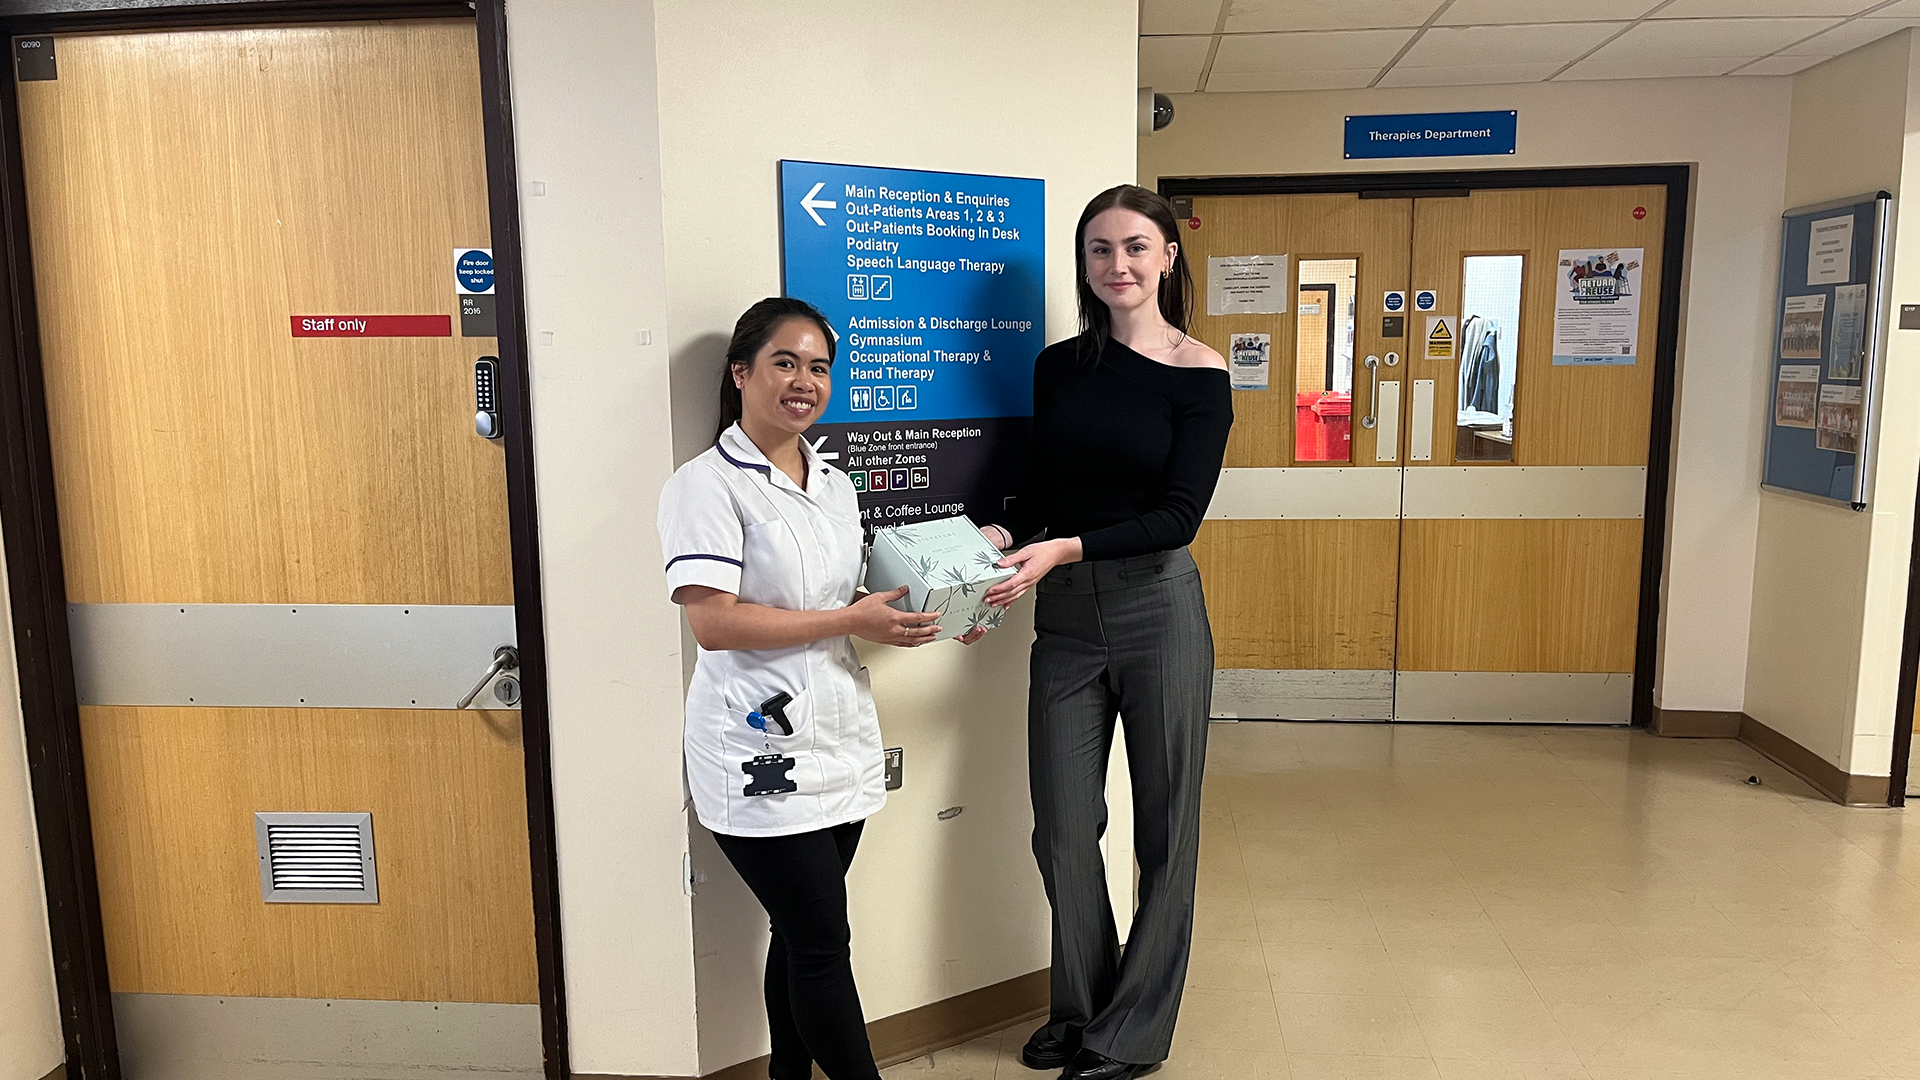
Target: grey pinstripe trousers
1124 638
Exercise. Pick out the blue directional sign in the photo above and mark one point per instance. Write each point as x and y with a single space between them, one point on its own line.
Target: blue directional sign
1460 134
935 284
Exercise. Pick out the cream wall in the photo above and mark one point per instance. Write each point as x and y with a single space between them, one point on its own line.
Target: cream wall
998 86
1734 130
584 103
1830 584
30 1039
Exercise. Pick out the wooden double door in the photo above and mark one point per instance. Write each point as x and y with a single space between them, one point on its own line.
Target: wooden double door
286 548
1441 517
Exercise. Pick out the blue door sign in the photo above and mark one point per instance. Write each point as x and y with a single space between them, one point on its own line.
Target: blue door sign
473 270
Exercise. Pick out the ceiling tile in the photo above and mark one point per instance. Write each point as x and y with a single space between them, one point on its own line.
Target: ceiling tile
1329 79
1255 16
1849 36
1179 16
1779 65
1684 38
1753 9
1449 46
1669 67
1172 65
1469 75
1477 12
1318 51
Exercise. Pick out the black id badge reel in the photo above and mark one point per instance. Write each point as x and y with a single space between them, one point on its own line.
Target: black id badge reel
767 773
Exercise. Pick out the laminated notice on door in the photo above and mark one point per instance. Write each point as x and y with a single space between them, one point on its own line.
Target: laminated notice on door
1249 361
1596 306
1442 334
1247 285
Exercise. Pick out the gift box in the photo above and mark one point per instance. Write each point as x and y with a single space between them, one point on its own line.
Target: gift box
947 567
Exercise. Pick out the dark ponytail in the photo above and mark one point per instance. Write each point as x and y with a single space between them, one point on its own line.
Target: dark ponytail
1176 289
750 335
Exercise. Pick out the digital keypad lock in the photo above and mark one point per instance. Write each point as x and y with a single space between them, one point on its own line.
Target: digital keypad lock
486 398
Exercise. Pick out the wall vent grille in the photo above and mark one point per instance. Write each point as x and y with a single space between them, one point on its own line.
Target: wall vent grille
316 858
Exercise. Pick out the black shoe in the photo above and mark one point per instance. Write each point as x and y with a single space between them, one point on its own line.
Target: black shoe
1089 1065
1043 1051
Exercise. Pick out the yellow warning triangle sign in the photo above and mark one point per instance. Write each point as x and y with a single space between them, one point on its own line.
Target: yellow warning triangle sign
1440 337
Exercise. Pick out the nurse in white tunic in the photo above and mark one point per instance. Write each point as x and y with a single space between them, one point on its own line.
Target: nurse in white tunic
783 752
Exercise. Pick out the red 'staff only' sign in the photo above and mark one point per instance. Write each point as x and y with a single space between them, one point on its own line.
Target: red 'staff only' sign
372 326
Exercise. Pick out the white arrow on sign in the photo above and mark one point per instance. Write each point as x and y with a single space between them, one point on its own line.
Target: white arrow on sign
813 206
824 456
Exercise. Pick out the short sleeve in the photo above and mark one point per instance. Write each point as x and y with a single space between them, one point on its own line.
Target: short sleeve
700 530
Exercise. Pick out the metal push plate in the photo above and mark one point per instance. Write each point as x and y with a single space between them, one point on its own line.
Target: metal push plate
314 656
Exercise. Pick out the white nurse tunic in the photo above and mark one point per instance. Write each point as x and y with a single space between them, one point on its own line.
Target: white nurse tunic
730 520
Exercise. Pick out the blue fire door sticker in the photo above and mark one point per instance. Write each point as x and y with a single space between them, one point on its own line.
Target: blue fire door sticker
935 285
473 270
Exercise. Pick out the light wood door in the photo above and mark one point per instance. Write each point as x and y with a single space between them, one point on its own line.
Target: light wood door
1300 556
1306 228
1474 560
190 193
1520 576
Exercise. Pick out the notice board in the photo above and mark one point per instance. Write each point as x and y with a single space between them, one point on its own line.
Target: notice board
1829 331
935 286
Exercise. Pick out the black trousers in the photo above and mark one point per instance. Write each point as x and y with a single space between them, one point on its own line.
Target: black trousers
1121 640
813 1009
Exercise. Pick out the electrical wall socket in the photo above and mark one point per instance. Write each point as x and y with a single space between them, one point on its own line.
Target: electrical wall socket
896 768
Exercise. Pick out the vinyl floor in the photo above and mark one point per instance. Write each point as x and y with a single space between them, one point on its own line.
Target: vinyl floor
1508 903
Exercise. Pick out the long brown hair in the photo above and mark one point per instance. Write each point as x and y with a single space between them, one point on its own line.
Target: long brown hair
750 335
1176 288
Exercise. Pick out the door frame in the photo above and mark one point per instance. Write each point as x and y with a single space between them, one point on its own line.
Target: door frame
1904 699
1333 297
1678 180
29 517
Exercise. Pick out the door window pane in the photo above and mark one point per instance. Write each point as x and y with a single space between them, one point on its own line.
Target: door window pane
1323 360
1489 342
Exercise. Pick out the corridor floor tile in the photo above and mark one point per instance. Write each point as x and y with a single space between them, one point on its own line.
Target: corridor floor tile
1466 903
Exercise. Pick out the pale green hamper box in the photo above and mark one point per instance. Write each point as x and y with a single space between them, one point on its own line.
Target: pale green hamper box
946 565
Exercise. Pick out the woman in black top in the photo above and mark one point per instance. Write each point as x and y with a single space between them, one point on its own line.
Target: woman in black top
1130 421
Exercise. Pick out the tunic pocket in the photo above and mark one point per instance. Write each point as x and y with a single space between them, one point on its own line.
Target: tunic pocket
748 697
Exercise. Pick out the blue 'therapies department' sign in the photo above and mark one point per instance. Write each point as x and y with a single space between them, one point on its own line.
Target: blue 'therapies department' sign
1460 134
935 284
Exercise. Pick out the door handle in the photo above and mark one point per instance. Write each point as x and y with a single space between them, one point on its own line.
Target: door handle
1370 421
505 658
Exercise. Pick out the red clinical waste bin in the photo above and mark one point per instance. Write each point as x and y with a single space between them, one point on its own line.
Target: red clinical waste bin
1306 427
1334 413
